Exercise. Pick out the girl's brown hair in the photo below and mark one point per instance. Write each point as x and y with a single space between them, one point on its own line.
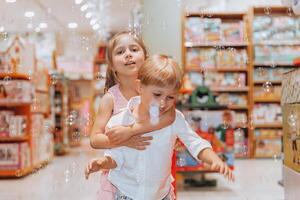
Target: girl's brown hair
111 78
162 71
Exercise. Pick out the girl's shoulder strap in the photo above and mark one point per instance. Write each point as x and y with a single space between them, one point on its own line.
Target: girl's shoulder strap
119 100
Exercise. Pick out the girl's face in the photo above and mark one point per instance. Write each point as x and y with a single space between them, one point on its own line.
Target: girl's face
127 57
164 97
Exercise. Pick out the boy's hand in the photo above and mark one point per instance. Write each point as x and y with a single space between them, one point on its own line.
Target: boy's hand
118 134
94 166
222 167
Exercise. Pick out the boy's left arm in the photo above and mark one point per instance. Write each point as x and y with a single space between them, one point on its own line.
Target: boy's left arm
200 148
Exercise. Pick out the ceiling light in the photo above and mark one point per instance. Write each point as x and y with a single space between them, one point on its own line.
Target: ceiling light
88 15
10 1
43 25
78 1
96 26
29 14
84 7
1 28
72 25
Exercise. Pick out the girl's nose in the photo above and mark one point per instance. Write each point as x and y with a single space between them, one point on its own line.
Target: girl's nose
128 54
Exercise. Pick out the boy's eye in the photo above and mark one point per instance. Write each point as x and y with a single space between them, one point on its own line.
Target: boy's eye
170 97
157 94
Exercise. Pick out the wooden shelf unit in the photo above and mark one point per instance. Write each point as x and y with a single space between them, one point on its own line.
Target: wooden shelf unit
269 64
243 44
24 109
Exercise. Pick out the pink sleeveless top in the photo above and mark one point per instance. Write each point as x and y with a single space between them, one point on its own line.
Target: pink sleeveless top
107 190
120 102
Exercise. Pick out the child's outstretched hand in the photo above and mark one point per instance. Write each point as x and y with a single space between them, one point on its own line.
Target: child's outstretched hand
94 166
222 167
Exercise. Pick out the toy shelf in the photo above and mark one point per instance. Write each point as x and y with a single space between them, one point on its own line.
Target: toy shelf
14 139
15 76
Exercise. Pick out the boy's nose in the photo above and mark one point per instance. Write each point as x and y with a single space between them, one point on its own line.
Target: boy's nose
162 103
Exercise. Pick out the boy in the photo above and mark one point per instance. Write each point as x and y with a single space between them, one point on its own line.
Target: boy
146 174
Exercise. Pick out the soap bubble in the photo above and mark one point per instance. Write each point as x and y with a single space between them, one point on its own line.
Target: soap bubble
268 87
54 78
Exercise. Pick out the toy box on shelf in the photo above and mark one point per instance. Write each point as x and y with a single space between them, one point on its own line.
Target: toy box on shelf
276 43
290 103
216 54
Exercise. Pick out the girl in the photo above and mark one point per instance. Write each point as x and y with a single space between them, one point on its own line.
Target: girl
126 53
146 174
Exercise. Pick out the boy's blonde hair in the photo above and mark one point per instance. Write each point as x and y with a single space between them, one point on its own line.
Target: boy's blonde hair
111 78
162 71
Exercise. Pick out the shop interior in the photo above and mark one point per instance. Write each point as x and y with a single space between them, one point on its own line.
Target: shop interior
240 92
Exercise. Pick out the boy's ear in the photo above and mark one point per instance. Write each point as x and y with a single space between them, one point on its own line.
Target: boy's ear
138 85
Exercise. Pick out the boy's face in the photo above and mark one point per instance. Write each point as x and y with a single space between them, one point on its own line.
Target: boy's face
165 97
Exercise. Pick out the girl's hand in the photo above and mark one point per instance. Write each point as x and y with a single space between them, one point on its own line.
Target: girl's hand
138 142
94 166
222 167
118 134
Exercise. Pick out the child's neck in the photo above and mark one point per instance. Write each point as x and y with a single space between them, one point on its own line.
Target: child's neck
127 88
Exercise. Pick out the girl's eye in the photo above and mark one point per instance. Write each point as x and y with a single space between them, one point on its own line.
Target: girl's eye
135 49
170 97
157 94
119 52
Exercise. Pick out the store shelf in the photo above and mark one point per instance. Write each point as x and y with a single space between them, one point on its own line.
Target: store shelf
14 104
15 76
224 15
215 44
14 139
219 69
266 100
24 171
42 91
268 138
262 82
198 168
237 107
274 64
278 43
269 125
229 89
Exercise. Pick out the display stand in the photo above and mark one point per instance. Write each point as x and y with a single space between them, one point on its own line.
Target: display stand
275 43
26 143
217 45
290 103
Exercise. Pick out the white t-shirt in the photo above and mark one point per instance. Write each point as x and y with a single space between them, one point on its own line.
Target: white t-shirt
146 174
